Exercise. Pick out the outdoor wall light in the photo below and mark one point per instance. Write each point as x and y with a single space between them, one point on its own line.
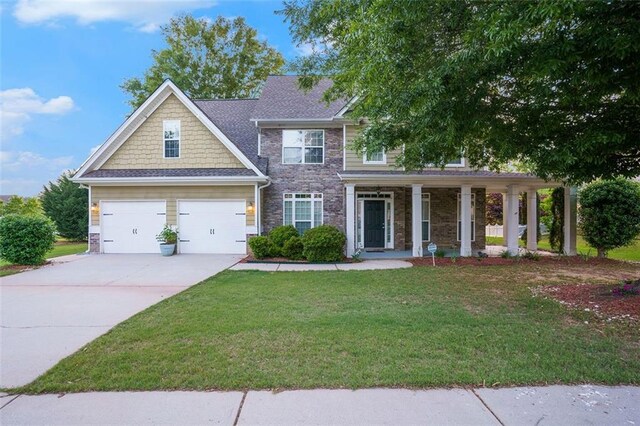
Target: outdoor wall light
94 207
250 208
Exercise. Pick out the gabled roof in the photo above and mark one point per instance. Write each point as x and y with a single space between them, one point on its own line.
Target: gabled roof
233 117
281 98
102 154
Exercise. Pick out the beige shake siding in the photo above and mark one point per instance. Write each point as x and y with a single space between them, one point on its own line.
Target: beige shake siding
353 161
199 148
171 194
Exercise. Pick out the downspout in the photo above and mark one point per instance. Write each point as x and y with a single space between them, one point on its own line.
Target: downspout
258 206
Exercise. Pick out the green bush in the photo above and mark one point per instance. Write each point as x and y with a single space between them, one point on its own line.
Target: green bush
26 239
261 247
67 204
293 249
556 236
323 244
610 214
280 235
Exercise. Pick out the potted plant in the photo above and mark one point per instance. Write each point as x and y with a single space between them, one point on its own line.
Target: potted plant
168 238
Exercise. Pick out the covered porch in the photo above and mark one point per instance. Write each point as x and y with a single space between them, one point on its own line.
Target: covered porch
398 214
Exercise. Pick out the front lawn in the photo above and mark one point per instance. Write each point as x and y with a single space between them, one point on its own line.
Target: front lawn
631 252
417 327
61 248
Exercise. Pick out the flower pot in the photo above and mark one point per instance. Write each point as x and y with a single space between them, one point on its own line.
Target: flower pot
167 249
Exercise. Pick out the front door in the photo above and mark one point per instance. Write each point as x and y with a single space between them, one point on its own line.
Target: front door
374 223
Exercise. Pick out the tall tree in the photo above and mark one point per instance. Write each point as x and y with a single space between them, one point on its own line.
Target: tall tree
22 206
551 84
219 59
66 203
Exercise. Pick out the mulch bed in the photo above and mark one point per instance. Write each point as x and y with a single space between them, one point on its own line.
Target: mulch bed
251 259
498 261
597 299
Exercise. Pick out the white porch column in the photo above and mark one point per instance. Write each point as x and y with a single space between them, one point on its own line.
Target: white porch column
570 220
505 219
351 219
532 220
465 219
416 219
513 219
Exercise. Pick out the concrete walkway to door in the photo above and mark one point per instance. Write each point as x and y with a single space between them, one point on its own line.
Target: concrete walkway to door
51 312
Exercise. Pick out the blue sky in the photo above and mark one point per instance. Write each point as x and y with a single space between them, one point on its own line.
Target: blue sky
61 64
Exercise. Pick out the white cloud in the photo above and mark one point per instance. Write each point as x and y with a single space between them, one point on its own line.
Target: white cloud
25 173
144 15
13 161
305 49
18 105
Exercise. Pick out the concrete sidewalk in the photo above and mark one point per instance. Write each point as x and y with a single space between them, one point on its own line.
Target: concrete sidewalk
551 405
367 265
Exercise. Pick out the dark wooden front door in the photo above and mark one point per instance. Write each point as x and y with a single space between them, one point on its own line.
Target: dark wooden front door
374 223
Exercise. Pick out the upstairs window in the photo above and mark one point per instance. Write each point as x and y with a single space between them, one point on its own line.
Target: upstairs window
375 157
303 146
171 132
302 210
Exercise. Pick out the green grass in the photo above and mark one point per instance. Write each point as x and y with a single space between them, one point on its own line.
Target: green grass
61 248
417 327
631 252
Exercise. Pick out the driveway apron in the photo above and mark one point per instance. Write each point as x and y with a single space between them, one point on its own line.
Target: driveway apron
49 313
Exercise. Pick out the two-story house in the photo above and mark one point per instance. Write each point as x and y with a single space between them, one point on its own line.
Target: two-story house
224 170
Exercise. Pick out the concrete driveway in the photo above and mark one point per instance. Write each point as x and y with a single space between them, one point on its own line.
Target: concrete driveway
49 313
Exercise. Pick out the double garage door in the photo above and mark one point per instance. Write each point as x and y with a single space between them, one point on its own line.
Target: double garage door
204 226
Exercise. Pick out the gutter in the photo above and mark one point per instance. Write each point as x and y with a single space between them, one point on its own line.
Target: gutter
172 180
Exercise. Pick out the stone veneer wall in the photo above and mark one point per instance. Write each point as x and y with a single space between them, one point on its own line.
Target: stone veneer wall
444 217
94 242
307 178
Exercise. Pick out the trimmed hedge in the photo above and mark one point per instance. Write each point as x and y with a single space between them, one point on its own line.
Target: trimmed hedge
26 239
279 236
293 249
261 246
323 244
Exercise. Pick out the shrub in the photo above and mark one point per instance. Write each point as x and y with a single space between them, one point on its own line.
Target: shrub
628 288
293 248
610 214
261 247
26 239
67 204
280 235
531 255
556 236
323 244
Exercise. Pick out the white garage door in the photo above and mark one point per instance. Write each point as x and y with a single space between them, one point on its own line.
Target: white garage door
132 226
212 227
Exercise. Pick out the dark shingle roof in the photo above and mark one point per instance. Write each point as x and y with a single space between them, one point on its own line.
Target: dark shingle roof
477 173
232 117
282 99
145 173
